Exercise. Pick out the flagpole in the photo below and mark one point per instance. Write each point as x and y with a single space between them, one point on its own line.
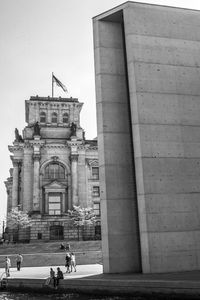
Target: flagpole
52 85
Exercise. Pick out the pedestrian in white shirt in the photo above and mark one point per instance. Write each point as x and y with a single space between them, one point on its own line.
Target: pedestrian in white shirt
73 261
7 266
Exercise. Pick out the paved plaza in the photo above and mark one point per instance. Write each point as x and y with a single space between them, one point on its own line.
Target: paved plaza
90 279
43 272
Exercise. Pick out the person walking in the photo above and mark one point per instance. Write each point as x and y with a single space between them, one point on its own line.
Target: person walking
7 266
73 261
68 262
19 260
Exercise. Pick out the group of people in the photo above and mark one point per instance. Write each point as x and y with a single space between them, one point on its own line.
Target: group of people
63 247
55 277
19 260
70 264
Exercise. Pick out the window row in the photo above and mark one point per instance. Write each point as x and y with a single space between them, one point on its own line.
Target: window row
56 171
54 117
56 232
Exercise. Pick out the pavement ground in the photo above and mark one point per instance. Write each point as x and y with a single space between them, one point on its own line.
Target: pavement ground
97 269
90 279
43 272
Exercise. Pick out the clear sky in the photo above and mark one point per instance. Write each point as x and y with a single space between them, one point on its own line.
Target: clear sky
38 37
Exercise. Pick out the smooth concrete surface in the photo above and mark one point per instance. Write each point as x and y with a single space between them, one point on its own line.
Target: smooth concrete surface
147 85
90 279
120 233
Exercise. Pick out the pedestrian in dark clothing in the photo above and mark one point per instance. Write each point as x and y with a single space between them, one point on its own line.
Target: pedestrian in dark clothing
19 260
59 276
67 247
62 247
68 262
51 278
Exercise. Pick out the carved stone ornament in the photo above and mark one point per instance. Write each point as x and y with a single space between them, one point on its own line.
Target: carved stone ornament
55 158
36 156
74 157
92 162
16 162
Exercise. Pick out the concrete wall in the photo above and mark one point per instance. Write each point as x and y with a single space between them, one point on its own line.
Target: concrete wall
162 51
120 237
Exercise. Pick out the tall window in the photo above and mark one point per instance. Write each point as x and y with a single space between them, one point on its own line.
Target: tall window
95 191
54 171
54 204
65 118
42 117
54 117
95 173
96 208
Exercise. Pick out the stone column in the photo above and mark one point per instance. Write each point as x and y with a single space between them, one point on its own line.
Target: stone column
69 194
74 174
36 182
15 186
27 182
46 203
63 202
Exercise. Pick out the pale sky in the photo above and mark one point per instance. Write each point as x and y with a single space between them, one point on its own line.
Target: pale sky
38 37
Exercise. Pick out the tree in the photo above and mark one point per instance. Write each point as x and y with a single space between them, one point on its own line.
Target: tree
82 216
17 219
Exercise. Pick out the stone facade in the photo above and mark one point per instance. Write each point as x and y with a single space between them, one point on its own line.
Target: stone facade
54 167
147 66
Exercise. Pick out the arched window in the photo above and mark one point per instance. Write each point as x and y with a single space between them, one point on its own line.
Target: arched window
65 118
42 117
54 171
54 117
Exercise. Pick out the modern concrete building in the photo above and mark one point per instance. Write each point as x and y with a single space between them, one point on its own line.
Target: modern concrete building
147 65
54 168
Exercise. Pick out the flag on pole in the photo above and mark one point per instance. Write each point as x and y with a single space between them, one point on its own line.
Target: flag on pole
60 84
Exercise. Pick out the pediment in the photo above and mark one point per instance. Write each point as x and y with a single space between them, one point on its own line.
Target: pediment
55 185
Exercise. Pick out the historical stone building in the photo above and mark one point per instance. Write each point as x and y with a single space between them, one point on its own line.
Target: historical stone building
54 167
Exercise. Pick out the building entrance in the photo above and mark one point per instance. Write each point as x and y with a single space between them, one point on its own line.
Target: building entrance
56 232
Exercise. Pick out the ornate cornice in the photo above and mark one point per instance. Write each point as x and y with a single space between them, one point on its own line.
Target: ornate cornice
75 142
81 147
94 148
53 146
14 148
27 145
37 142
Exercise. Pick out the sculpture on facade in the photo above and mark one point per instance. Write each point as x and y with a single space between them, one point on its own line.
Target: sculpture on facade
18 137
36 128
73 129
